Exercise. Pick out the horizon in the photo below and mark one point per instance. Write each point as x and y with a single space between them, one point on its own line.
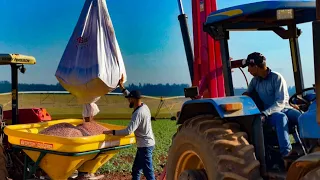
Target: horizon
150 56
129 84
168 90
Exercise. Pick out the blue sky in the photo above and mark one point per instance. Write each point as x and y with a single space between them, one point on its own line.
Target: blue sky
148 33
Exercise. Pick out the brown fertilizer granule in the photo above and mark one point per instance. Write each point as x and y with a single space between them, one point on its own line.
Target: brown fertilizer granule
91 128
63 130
68 130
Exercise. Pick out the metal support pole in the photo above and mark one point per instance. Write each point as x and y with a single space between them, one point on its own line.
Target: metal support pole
223 36
296 60
14 91
180 7
316 47
318 9
186 39
226 65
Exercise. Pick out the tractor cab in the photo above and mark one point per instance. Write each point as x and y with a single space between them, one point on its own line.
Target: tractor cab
281 18
17 62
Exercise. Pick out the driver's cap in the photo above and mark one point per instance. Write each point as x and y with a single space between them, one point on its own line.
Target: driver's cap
254 58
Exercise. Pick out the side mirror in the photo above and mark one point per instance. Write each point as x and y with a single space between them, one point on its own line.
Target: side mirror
191 92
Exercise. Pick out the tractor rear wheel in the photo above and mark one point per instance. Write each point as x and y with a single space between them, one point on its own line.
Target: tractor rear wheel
3 169
206 145
312 175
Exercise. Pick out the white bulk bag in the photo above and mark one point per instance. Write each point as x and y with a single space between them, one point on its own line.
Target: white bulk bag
91 64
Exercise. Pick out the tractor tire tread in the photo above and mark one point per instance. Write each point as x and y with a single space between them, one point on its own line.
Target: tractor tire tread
312 175
3 168
225 146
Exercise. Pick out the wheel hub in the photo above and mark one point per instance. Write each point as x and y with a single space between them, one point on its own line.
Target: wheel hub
190 165
199 174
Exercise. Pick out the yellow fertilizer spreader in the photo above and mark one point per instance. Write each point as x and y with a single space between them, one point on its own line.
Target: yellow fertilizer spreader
59 157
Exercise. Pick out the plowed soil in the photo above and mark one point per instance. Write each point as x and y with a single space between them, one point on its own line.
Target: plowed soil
125 176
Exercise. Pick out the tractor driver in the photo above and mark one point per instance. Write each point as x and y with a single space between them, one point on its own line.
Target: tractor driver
271 89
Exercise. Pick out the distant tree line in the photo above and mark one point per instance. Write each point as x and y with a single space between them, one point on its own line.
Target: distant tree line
146 89
5 86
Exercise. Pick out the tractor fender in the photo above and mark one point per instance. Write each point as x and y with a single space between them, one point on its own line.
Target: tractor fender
214 106
308 125
303 165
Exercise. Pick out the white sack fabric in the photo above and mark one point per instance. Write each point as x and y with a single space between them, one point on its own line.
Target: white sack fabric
91 64
90 110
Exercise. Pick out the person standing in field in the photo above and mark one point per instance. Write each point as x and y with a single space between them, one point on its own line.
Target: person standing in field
140 125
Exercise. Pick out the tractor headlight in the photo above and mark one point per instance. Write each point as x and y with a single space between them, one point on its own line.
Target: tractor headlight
285 14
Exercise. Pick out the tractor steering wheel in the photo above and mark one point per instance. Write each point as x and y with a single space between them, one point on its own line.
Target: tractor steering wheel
298 101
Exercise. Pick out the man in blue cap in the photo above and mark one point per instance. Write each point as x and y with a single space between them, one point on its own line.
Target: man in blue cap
272 91
140 124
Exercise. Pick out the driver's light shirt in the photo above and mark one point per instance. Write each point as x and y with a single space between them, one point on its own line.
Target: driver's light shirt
273 92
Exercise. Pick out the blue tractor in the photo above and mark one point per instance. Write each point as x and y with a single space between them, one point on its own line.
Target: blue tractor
224 138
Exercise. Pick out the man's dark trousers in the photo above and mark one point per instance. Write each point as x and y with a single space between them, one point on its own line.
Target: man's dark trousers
143 161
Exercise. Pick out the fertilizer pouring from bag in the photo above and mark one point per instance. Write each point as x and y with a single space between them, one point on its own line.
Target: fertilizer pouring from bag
69 130
91 64
91 109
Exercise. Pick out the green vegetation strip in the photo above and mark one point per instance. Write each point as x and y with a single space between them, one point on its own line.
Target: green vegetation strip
122 162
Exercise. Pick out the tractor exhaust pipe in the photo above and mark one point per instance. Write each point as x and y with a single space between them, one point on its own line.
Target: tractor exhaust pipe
316 47
186 39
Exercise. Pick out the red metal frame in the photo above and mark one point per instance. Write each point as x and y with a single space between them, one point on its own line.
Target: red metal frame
208 62
196 42
207 57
